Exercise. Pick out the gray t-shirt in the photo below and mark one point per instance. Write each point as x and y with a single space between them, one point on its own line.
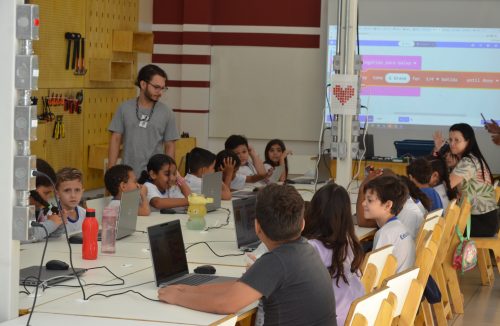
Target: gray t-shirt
139 143
295 285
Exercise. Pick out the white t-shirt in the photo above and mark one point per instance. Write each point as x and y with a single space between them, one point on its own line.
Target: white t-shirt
248 169
194 183
411 216
238 182
267 166
395 233
153 192
441 190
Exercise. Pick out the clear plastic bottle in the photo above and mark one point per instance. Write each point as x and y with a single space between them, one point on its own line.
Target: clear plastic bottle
90 229
108 233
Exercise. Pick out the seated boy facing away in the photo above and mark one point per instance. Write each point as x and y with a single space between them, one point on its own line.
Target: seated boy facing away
229 163
291 279
384 199
420 171
202 162
121 178
253 169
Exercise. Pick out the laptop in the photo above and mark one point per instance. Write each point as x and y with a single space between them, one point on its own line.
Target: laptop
127 217
323 172
211 186
169 257
244 223
28 276
277 172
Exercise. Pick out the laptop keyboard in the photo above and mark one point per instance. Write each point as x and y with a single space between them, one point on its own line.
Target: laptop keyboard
195 279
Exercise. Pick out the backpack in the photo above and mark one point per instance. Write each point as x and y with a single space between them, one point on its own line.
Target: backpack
465 256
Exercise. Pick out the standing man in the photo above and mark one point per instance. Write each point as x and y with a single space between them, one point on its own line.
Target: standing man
145 125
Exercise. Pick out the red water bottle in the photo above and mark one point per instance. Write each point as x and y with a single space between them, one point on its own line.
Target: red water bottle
90 229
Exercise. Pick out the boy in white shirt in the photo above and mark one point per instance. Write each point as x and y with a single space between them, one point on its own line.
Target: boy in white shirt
121 178
253 169
201 162
384 200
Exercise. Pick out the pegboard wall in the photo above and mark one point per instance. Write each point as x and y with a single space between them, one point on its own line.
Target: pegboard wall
104 16
95 20
100 105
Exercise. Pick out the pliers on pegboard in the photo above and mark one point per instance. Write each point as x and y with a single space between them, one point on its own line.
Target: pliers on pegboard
58 131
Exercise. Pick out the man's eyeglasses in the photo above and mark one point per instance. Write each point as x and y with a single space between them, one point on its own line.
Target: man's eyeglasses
159 88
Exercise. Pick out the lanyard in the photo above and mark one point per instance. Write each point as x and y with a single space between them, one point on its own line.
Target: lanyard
146 117
77 216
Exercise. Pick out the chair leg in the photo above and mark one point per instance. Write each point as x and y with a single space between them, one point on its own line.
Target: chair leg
485 267
427 312
444 306
456 296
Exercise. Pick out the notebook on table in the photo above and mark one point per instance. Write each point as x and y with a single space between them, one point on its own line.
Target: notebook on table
127 217
168 255
323 172
244 223
28 276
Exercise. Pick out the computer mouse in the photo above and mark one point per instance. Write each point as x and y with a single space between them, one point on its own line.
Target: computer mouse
205 269
168 211
56 265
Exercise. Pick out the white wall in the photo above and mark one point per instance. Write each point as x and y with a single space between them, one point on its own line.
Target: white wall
9 253
300 74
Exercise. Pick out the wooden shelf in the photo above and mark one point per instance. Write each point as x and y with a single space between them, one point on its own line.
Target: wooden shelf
129 41
108 70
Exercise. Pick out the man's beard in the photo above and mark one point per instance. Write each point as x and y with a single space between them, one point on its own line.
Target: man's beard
149 96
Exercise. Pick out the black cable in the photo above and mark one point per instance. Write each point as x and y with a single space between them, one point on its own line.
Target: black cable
99 284
205 243
39 268
357 28
222 225
127 287
38 173
120 293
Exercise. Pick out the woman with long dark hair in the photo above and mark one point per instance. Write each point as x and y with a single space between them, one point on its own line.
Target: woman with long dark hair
473 177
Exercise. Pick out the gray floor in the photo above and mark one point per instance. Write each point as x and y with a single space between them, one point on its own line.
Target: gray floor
482 303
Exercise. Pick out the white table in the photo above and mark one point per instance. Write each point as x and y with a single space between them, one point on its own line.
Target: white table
132 262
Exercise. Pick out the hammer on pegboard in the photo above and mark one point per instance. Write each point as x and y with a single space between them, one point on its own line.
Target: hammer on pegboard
75 39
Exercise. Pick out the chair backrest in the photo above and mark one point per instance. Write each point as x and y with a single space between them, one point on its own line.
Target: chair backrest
369 307
426 255
373 266
412 303
427 226
450 220
463 216
98 204
435 213
497 193
399 284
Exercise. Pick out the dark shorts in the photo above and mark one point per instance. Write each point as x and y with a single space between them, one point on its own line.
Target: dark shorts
484 225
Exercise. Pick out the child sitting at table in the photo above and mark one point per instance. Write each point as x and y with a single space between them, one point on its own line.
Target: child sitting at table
384 199
166 188
251 166
440 180
291 279
121 178
41 197
201 162
330 230
228 162
275 155
420 171
69 191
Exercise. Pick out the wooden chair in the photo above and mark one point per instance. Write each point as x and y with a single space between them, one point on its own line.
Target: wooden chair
442 310
426 257
399 284
426 228
373 309
378 265
450 273
484 245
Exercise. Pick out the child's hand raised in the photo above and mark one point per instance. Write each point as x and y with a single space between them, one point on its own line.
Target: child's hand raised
228 165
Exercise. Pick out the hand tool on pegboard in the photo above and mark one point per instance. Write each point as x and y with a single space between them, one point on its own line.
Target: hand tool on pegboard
76 50
47 114
70 37
79 101
58 131
80 65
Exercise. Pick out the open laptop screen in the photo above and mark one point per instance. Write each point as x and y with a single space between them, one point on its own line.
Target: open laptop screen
167 251
244 221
